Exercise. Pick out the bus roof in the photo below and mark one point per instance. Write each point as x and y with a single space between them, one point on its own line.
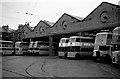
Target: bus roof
81 37
5 41
64 38
42 41
103 33
117 28
21 42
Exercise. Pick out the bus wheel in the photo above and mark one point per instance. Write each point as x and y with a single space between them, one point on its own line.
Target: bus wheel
77 56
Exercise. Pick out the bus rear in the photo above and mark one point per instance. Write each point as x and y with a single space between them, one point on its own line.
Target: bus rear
80 47
63 46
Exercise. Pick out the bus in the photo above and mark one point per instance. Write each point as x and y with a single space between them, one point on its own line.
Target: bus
102 46
22 47
6 47
41 48
116 46
80 47
30 49
63 46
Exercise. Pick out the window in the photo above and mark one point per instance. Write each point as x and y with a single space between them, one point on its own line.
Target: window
118 39
77 39
104 48
110 36
72 49
87 40
72 39
87 49
68 49
67 41
59 48
116 47
62 41
77 48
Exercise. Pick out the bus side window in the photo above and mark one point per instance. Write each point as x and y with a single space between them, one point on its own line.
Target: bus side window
118 39
78 40
77 48
110 36
72 49
67 41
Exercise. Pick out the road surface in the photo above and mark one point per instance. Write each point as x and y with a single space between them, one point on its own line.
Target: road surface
46 66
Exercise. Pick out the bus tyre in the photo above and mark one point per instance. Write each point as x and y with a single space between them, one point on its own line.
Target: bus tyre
77 56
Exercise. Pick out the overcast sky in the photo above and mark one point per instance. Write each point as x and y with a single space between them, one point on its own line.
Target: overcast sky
15 12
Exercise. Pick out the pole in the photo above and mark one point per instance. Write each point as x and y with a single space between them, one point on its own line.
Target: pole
51 46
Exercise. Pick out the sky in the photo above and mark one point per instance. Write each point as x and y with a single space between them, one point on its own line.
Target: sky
15 12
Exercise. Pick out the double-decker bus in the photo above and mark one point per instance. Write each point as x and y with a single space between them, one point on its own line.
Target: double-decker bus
6 47
41 48
116 46
80 47
102 46
63 46
22 48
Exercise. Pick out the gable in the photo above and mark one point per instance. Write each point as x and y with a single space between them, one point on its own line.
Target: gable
27 31
65 22
104 11
105 16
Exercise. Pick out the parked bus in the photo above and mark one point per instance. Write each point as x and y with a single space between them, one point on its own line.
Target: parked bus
102 46
116 46
41 48
80 47
63 46
22 48
6 47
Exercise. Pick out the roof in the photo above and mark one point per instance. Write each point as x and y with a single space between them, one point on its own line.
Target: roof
64 38
81 37
103 33
49 23
77 17
28 27
117 28
100 6
2 30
